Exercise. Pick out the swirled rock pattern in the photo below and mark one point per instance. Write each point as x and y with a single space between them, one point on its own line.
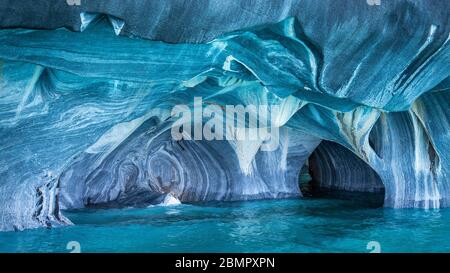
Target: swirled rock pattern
335 168
85 104
149 164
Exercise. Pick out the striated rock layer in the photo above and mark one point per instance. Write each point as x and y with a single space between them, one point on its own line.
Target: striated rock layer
149 164
334 167
85 116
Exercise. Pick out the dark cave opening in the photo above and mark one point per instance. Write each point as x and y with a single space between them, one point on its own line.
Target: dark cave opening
334 172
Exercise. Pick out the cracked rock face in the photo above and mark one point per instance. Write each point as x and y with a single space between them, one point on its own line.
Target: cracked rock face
87 93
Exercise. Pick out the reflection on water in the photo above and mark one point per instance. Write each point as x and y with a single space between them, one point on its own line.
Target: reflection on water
294 225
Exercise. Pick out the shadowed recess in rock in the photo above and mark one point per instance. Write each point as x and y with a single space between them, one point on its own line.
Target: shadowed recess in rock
333 167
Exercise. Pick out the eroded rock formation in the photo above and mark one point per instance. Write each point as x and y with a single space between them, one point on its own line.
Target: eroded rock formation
85 116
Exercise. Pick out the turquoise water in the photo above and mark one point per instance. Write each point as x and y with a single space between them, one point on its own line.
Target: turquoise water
293 225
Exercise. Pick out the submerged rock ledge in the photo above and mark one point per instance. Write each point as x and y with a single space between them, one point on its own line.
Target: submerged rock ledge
85 116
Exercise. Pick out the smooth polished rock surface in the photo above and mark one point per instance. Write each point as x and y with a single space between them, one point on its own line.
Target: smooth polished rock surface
84 116
335 168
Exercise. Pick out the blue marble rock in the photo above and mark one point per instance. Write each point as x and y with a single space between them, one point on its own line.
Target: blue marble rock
335 168
87 92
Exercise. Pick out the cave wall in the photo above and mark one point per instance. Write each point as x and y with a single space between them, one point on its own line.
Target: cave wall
334 168
73 104
150 164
